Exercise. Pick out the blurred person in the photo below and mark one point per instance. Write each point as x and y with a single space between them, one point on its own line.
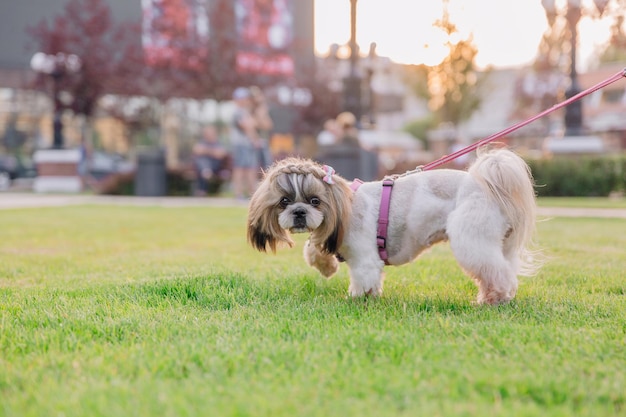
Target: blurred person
245 145
84 164
210 161
348 132
264 125
345 154
329 134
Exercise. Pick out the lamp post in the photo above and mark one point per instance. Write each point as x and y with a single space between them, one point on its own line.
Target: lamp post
56 66
352 83
369 69
573 112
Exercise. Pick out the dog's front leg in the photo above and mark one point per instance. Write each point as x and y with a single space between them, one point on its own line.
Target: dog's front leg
326 263
366 278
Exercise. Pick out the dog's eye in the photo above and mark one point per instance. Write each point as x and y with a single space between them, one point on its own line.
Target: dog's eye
315 201
284 202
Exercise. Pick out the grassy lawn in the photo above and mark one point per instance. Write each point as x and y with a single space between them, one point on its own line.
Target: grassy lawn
116 311
583 202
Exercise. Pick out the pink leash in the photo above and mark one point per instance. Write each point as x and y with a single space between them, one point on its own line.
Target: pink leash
447 158
385 199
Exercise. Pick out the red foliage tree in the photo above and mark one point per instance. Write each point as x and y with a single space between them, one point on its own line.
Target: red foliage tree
114 60
206 71
110 55
108 51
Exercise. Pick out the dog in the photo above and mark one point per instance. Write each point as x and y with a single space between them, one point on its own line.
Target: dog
487 213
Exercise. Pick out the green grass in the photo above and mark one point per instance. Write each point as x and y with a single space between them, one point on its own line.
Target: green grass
583 202
114 311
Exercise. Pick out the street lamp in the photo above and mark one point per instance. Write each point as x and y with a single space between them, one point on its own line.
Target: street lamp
573 112
369 69
352 82
56 66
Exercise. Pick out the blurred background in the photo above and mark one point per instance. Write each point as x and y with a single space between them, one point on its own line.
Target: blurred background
116 93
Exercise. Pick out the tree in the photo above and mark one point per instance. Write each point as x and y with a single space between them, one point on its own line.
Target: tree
452 86
615 49
541 87
215 77
114 60
193 65
108 52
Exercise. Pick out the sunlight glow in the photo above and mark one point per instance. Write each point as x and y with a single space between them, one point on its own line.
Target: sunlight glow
506 32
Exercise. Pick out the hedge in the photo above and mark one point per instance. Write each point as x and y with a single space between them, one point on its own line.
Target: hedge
581 176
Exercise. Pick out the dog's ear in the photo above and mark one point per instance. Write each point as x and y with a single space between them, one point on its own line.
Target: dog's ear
263 235
264 231
332 243
330 237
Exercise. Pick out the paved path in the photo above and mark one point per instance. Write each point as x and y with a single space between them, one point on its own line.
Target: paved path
30 200
581 212
26 200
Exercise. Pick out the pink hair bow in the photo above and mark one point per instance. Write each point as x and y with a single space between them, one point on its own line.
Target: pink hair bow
328 178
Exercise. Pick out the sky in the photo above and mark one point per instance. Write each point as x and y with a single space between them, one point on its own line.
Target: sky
506 32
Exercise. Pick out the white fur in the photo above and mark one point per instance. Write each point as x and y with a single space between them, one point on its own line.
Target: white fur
487 214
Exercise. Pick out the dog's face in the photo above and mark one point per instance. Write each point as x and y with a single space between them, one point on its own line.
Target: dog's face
302 202
298 196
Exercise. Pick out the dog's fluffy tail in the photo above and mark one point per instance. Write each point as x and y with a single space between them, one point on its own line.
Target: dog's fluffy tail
509 181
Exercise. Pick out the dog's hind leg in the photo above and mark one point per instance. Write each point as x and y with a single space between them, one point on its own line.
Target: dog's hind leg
478 247
494 275
496 283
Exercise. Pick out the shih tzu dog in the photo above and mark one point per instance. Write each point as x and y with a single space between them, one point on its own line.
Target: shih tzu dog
486 213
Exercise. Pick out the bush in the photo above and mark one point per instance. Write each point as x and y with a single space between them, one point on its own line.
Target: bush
419 129
588 176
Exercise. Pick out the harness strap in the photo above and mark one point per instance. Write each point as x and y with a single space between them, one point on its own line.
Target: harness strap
383 219
356 183
383 216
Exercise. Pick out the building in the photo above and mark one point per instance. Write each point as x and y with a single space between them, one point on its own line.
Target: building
274 46
604 111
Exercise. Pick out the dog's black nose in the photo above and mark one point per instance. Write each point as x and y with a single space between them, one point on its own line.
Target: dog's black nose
299 212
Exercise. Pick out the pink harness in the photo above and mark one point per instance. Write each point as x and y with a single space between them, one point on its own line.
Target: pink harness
383 216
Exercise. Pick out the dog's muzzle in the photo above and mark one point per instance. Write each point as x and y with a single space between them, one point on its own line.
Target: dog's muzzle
299 218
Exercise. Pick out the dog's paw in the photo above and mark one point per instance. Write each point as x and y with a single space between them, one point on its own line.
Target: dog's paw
328 267
360 291
325 263
493 298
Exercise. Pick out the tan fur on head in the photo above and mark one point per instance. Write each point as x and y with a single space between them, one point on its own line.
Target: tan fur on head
299 181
